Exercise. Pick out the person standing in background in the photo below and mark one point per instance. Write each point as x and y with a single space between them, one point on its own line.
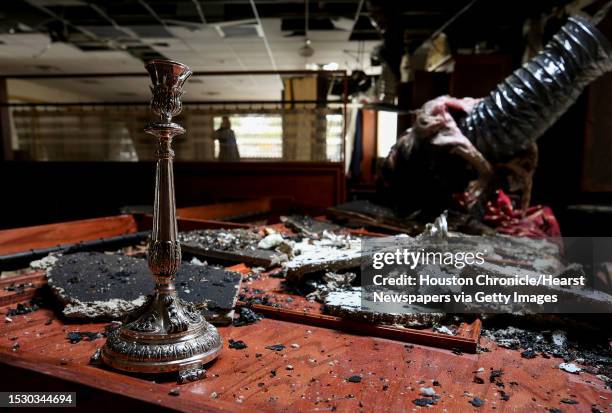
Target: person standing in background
228 148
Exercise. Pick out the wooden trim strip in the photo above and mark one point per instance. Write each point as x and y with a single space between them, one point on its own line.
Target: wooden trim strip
468 345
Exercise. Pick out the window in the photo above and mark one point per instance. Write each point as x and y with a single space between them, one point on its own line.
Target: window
333 138
386 132
259 136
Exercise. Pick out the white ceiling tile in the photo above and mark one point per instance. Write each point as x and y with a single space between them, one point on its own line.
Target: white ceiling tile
32 38
200 47
203 33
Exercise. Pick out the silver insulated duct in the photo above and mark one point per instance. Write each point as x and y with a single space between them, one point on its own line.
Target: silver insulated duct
522 107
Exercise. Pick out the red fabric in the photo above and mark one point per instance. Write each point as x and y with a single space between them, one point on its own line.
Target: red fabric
537 221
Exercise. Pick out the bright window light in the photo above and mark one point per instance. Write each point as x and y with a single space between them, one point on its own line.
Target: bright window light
333 138
331 66
258 136
386 131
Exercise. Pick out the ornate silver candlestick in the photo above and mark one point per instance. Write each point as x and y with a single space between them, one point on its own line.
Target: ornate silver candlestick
166 334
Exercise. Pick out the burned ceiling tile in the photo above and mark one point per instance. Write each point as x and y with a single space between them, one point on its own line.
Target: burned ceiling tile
94 285
235 245
348 304
310 227
333 252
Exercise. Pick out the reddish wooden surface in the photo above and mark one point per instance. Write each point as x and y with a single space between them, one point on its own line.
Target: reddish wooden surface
226 210
242 379
233 210
407 335
369 132
145 222
51 235
30 281
253 180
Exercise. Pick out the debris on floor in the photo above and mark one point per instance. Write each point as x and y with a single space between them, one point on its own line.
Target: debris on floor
427 391
366 213
443 330
270 241
19 288
529 354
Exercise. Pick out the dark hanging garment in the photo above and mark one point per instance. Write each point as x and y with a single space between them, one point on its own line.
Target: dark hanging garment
228 148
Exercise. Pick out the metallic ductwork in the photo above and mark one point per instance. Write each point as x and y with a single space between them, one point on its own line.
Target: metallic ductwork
522 107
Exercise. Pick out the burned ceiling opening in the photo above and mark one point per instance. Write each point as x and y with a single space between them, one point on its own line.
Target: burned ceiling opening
40 37
123 24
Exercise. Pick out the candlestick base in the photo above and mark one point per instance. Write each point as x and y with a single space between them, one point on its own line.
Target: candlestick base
166 335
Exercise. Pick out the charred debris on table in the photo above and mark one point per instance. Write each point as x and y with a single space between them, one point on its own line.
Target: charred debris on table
237 344
245 317
19 288
77 336
22 309
94 285
314 248
593 353
334 278
234 246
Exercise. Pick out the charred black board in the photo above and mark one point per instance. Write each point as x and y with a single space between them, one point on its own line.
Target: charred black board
310 227
382 218
94 285
232 245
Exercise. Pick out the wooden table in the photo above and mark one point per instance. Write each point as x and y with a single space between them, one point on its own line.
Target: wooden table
243 380
36 355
